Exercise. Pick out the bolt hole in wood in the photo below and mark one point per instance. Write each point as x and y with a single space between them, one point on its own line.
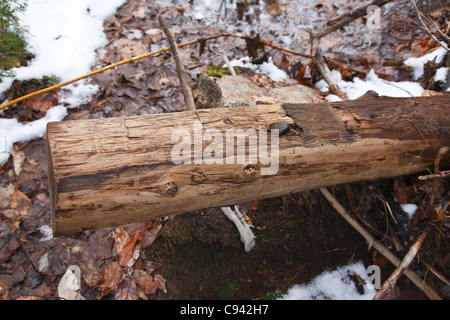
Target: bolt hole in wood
171 188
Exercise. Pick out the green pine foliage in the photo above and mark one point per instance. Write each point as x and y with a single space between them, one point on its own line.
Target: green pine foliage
13 50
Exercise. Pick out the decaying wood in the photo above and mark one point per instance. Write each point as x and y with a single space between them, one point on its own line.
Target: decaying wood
392 280
182 75
114 171
428 290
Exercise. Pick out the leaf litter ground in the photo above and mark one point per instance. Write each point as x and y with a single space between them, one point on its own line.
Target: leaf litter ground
199 255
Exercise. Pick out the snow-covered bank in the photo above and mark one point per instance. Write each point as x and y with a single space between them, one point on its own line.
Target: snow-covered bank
63 35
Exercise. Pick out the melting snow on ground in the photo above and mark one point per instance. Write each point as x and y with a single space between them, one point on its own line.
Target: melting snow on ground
417 63
63 36
358 87
268 68
409 208
334 285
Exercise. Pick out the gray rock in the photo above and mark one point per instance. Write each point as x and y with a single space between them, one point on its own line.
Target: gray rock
223 92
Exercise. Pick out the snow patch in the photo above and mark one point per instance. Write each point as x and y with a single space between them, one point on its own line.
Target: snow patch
441 74
63 35
334 285
409 208
12 131
358 87
417 63
46 230
268 68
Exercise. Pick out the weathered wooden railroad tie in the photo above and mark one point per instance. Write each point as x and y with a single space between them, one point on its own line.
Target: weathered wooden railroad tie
114 171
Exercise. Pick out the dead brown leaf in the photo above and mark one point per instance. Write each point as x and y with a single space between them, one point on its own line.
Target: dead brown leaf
161 282
126 48
149 236
252 46
112 276
20 202
145 282
41 103
18 157
127 290
6 193
16 277
121 238
128 249
9 248
420 46
104 249
88 265
155 34
261 80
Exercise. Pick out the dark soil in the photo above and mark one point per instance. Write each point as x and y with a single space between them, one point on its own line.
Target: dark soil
298 237
296 240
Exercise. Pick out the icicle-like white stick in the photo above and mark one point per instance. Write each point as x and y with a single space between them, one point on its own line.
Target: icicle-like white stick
247 236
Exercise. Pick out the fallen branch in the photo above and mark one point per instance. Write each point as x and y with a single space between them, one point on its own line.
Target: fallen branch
182 75
389 284
441 175
428 290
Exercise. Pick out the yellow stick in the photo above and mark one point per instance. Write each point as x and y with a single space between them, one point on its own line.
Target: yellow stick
148 54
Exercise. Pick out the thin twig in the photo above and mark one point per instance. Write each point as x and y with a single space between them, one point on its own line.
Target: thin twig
233 73
327 75
430 292
437 161
421 17
328 28
441 175
436 273
407 260
181 71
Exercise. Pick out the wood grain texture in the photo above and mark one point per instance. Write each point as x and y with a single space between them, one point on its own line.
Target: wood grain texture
114 171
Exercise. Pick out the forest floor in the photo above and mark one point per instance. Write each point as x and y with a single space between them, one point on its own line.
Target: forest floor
297 236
